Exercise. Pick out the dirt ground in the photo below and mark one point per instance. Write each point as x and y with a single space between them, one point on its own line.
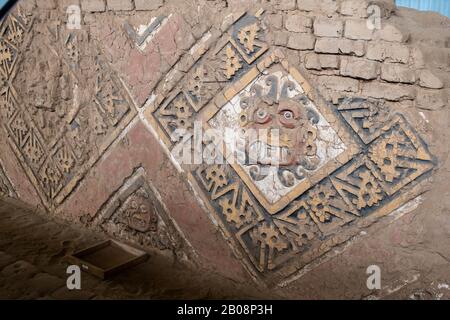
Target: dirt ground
32 266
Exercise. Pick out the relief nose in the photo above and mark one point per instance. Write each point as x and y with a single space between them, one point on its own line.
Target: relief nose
273 136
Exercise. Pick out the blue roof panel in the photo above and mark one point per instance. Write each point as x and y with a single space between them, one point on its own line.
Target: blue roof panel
441 6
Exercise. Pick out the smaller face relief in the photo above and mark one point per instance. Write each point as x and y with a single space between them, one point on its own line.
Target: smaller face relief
139 213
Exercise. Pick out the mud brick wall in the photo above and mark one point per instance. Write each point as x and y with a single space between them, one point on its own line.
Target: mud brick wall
87 116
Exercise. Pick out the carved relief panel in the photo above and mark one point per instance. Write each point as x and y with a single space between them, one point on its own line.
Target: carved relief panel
135 213
341 167
59 111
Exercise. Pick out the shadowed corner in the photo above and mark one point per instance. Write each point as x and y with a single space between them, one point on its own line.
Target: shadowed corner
6 6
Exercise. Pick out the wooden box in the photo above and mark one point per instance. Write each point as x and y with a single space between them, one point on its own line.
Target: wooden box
107 258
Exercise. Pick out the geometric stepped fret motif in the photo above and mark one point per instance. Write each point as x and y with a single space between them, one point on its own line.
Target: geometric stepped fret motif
56 132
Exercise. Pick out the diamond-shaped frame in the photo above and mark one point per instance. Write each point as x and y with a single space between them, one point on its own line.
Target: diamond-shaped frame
420 161
277 59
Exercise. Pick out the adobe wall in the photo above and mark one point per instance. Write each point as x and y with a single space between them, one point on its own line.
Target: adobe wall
88 117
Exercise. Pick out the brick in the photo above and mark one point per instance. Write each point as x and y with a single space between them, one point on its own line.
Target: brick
328 61
308 5
397 73
324 45
280 38
417 58
46 4
142 5
286 4
388 91
354 8
298 23
357 30
359 68
430 99
120 5
389 51
390 33
342 46
321 61
428 80
301 41
275 20
352 47
337 83
93 5
64 4
312 62
328 28
327 7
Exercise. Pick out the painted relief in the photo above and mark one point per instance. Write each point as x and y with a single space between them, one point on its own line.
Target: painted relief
340 166
135 213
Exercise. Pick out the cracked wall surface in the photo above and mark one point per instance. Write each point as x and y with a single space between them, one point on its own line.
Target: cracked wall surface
88 119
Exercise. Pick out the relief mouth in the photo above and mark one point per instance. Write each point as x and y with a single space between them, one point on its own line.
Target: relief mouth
260 152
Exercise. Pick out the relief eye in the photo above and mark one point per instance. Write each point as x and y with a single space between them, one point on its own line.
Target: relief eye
288 115
261 114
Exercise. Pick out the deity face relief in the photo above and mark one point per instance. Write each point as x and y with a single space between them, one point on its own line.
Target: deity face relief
284 131
139 212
